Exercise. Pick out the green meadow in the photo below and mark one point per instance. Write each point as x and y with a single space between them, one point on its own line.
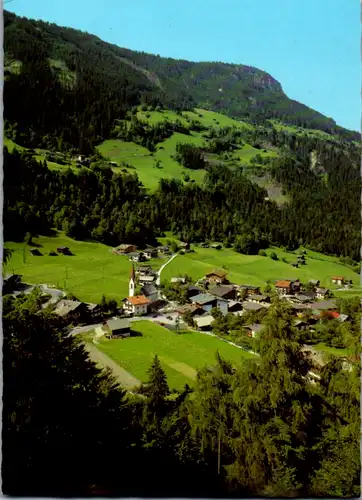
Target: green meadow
257 270
180 354
93 270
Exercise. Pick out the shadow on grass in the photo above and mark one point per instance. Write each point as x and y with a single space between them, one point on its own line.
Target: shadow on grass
134 333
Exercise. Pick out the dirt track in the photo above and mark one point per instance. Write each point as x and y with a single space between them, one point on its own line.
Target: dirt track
124 378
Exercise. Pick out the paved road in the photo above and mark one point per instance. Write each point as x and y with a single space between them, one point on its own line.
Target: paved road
158 279
124 378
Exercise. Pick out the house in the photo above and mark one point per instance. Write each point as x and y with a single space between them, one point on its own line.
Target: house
257 298
301 324
136 256
216 246
324 305
250 289
119 327
253 330
163 249
315 283
216 277
235 306
150 292
146 270
208 302
304 297
178 280
204 245
194 309
338 280
94 310
150 253
223 291
63 250
146 279
251 306
10 282
204 322
184 245
343 317
322 293
71 310
284 287
192 291
125 248
137 305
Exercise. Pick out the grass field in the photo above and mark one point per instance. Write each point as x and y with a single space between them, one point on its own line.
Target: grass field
90 272
344 352
180 354
256 270
120 151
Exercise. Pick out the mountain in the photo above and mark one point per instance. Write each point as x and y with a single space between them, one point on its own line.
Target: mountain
69 87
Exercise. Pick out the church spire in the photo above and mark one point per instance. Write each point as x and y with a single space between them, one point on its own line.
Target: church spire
132 281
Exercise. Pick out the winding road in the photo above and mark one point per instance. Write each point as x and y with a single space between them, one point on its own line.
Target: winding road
158 280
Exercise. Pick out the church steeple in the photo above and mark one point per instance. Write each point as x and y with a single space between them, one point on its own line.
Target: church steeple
132 282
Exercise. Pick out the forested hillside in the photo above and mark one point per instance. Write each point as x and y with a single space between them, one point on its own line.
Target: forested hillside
67 87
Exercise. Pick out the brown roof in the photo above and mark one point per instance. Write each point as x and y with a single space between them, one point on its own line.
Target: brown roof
138 300
219 274
338 278
283 283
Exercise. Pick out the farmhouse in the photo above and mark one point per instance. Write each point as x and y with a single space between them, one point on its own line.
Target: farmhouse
216 277
250 289
150 292
338 280
147 270
235 306
71 310
208 302
150 253
64 250
251 306
136 305
178 280
146 279
184 245
119 327
204 322
192 290
94 310
163 249
223 291
216 246
315 283
194 309
125 248
287 287
322 293
253 330
136 256
258 299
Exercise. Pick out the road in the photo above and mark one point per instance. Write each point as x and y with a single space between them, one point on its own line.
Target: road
56 295
158 279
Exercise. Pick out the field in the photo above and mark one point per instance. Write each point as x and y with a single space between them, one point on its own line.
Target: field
92 271
256 270
180 354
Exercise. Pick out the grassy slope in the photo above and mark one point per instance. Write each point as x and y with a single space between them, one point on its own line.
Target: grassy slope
256 270
180 354
92 271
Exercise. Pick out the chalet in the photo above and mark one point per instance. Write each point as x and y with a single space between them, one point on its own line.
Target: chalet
137 305
146 270
125 248
287 287
216 277
208 302
258 299
192 291
304 297
204 245
136 256
338 280
322 293
185 246
301 324
119 327
163 249
178 280
194 309
71 310
150 253
253 330
315 283
63 250
11 282
150 292
204 323
235 306
94 311
216 246
146 279
324 305
251 306
250 289
223 291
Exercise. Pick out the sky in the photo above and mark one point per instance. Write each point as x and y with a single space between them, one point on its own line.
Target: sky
312 47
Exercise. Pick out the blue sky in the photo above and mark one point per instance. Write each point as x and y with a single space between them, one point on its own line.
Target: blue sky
311 46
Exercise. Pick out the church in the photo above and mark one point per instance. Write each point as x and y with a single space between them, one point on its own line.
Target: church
136 305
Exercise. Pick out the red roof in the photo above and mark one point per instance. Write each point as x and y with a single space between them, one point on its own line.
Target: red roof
283 283
138 300
334 314
338 278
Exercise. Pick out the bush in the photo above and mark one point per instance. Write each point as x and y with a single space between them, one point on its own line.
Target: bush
273 256
262 253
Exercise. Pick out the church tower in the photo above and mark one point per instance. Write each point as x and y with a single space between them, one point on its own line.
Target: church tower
132 282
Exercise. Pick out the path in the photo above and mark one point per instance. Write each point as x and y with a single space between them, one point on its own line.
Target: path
158 280
124 378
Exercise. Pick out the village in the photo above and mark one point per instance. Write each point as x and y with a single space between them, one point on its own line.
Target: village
147 298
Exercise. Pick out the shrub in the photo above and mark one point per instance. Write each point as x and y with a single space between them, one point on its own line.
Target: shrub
262 253
273 256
